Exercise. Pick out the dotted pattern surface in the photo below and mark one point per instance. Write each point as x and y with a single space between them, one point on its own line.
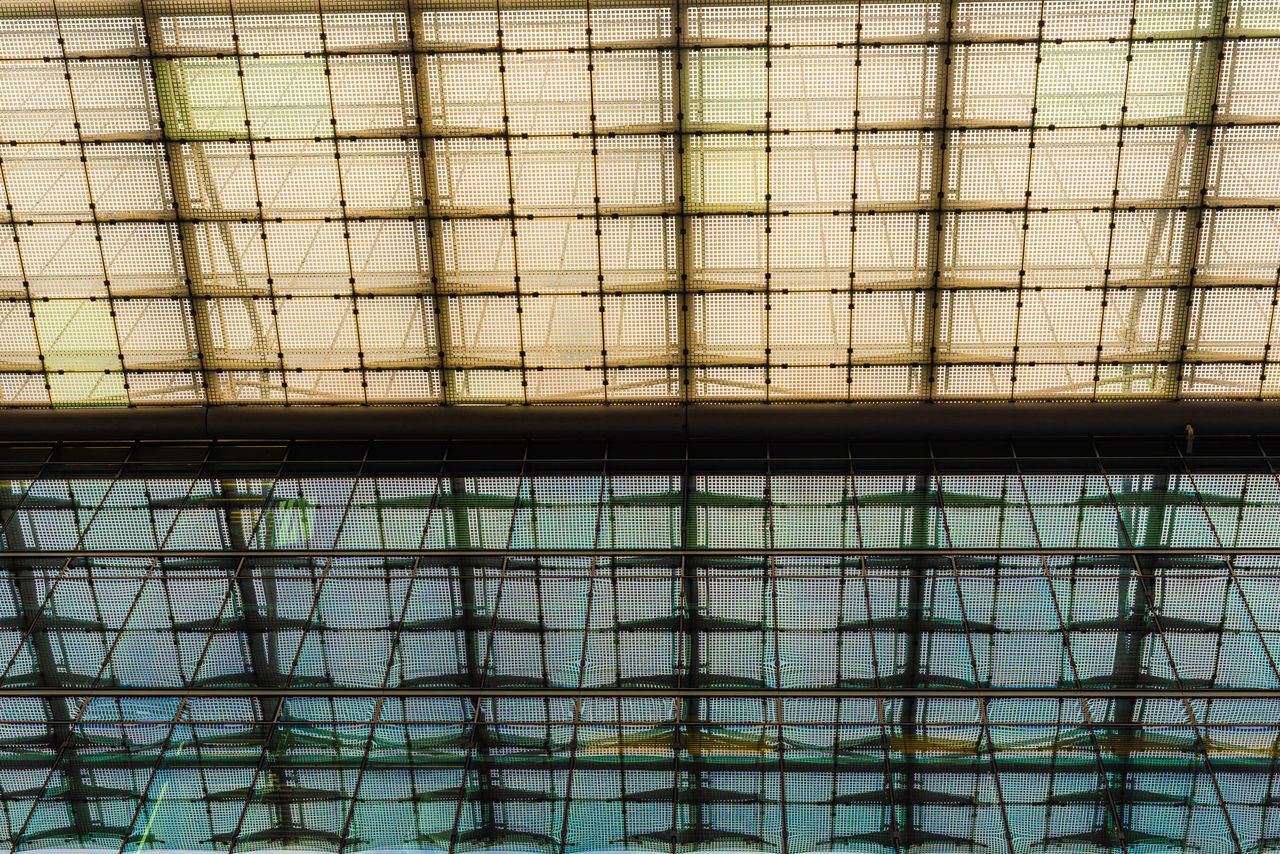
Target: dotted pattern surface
249 613
447 201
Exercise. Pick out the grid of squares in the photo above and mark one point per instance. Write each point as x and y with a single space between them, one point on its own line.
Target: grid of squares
706 579
455 201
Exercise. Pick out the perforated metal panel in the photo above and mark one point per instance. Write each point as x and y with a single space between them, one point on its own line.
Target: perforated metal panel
346 648
505 201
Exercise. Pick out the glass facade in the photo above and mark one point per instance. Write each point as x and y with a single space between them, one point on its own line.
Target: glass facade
448 201
1066 645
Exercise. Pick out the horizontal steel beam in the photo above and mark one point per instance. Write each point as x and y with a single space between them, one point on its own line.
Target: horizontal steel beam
96 8
538 693
497 555
553 421
867 763
940 725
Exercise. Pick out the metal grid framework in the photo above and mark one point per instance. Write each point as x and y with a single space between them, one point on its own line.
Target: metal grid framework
513 201
389 646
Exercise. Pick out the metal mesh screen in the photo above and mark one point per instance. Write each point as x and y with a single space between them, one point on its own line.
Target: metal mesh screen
239 201
247 646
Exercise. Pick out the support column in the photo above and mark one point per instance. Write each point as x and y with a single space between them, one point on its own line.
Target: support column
61 734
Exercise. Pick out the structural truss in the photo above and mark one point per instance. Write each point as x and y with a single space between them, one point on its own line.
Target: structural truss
222 646
375 201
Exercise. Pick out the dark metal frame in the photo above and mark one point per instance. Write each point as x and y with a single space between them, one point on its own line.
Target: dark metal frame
906 772
941 421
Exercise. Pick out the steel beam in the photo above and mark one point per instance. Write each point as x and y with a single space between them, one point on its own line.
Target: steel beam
690 635
871 765
532 554
923 692
62 734
1131 646
934 263
262 660
1202 93
911 713
896 421
474 637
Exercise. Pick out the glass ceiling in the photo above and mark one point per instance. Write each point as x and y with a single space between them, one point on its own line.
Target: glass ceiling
448 201
244 646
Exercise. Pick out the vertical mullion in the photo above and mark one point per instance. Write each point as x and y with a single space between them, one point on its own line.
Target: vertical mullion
342 205
196 674
251 304
511 203
973 660
917 570
1132 640
27 596
1205 81
689 711
1064 627
932 316
286 678
374 719
766 320
471 651
1026 196
269 726
432 219
595 178
686 340
582 662
853 217
82 146
478 718
1115 202
393 651
194 159
775 617
262 664
899 843
614 584
47 665
1145 577
175 171
26 281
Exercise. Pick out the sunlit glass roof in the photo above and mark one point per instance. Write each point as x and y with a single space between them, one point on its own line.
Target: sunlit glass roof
380 647
499 202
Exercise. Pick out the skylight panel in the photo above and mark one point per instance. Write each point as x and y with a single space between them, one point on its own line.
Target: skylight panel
513 171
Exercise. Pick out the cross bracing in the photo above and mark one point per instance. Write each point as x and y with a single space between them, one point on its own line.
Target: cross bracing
453 646
445 201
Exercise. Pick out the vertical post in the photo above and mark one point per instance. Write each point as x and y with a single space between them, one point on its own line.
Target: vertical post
432 210
686 329
176 170
1202 94
258 615
474 659
916 591
61 733
931 316
1132 631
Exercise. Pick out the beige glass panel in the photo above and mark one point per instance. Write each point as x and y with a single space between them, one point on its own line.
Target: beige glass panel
557 202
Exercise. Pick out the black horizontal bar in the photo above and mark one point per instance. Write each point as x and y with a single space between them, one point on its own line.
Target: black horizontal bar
870 764
607 554
892 421
647 724
79 8
430 692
